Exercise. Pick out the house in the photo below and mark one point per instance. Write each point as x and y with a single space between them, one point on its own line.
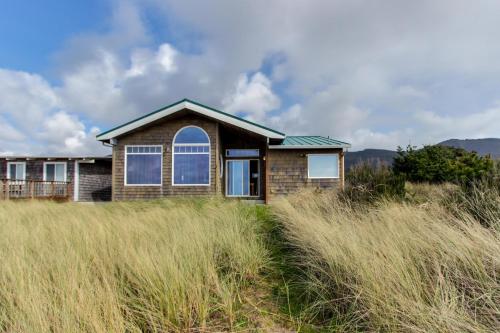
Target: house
189 149
63 178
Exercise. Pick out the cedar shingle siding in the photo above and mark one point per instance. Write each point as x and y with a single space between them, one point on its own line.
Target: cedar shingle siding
95 181
287 171
163 134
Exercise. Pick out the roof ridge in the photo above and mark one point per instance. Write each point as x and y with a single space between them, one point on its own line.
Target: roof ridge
195 103
233 116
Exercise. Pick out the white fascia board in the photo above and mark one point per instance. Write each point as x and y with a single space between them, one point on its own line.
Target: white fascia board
308 147
195 108
141 122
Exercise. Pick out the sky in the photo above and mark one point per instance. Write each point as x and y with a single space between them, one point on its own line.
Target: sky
377 74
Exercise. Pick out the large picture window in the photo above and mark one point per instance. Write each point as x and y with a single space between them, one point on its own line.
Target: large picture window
323 165
191 157
143 165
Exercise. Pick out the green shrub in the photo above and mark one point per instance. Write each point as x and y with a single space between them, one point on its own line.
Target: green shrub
438 164
367 183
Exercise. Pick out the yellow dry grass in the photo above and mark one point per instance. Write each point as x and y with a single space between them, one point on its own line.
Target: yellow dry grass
156 267
394 267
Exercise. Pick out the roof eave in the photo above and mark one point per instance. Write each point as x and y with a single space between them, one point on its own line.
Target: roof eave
186 104
309 146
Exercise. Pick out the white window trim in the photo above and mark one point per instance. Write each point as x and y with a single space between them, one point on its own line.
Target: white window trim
338 167
244 156
55 163
15 163
125 165
227 175
191 153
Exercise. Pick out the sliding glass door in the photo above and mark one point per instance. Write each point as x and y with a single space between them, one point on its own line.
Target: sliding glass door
242 178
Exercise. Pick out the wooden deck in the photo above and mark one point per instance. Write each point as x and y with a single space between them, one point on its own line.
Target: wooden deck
33 189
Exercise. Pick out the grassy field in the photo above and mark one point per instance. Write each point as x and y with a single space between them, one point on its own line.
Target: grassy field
393 266
133 267
313 262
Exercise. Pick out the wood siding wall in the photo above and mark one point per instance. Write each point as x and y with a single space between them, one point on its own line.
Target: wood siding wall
287 171
163 134
95 181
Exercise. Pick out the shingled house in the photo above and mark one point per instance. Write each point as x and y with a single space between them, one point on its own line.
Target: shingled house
55 177
189 149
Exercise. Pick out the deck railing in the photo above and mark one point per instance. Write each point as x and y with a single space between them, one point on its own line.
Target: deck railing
33 189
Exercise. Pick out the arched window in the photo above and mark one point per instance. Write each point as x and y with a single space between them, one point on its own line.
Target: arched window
191 161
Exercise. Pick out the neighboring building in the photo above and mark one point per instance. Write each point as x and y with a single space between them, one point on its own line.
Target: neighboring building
188 149
75 178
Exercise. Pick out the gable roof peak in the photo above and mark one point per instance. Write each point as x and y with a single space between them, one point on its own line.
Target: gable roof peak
197 107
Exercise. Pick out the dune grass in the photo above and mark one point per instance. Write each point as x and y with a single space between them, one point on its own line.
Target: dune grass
320 262
132 267
392 266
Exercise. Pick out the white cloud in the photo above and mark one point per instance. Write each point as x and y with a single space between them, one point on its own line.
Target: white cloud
143 60
483 124
252 96
65 134
349 69
8 132
31 120
25 97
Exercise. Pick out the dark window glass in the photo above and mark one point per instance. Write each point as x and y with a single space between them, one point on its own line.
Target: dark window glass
50 172
242 153
191 169
144 169
12 171
191 135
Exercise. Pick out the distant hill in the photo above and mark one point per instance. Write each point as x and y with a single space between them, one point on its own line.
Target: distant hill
372 156
481 146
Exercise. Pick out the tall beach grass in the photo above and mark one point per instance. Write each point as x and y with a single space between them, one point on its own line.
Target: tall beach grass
134 267
392 267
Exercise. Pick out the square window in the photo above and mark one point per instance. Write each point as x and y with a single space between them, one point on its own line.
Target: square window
323 166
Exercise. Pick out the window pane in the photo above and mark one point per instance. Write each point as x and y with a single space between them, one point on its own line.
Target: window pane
242 153
191 135
12 171
20 171
191 169
144 169
238 181
49 172
59 172
323 166
235 178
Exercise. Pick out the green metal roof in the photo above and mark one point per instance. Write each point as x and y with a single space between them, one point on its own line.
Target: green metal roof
307 141
193 102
